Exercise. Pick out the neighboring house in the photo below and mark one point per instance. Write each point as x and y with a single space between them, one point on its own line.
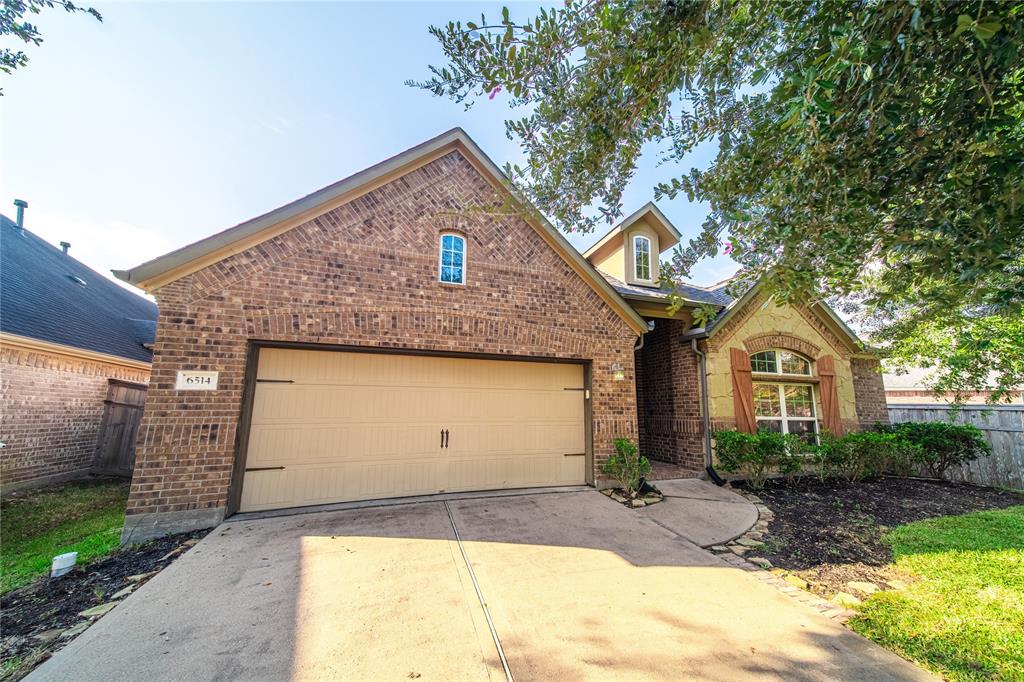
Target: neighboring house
911 387
74 363
401 333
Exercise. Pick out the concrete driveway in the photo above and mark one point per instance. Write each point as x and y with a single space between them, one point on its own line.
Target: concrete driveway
576 587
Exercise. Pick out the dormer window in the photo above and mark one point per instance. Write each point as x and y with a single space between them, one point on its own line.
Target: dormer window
642 257
451 268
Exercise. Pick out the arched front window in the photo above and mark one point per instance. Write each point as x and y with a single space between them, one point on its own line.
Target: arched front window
779 405
642 258
452 260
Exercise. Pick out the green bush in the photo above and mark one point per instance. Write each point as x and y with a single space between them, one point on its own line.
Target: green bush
756 456
940 445
864 454
627 465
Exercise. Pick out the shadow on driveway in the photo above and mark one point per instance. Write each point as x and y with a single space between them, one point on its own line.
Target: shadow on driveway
578 587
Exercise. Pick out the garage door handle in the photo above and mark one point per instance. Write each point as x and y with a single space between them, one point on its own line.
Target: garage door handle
264 468
446 438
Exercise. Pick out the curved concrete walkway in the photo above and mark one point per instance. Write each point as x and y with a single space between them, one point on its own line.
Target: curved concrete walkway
701 512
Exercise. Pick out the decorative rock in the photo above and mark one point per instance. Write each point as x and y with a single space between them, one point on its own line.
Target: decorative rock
719 548
652 499
897 584
141 577
750 542
120 594
607 491
860 586
738 550
618 498
99 610
636 502
191 542
48 635
754 535
75 630
760 561
845 600
754 498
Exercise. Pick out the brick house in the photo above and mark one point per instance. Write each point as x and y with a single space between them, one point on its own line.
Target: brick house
406 331
70 341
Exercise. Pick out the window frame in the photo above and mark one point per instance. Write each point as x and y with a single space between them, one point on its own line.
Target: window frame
784 417
778 363
636 264
440 257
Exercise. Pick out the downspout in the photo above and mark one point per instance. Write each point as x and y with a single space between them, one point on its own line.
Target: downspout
705 413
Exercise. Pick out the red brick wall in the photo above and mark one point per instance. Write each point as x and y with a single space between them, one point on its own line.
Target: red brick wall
869 391
51 407
668 390
366 274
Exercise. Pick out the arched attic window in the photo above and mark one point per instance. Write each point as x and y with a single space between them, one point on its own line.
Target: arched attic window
642 258
451 267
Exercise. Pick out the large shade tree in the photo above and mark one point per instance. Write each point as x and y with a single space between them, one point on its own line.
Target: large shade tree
868 151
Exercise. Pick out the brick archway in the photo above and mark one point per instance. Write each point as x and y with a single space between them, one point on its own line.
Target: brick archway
761 342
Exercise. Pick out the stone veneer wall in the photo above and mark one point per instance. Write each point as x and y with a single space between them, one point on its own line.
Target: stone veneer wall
668 395
762 324
363 274
51 409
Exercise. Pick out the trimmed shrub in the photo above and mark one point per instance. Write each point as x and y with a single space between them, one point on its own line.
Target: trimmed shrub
864 454
940 445
756 456
627 466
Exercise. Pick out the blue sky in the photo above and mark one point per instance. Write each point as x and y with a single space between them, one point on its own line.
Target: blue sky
168 122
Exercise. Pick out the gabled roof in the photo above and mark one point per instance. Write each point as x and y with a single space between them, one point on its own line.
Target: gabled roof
47 295
668 235
193 257
821 308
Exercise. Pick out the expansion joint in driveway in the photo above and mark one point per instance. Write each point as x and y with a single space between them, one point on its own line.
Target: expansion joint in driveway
479 595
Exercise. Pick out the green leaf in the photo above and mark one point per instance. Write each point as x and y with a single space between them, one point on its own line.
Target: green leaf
824 104
963 23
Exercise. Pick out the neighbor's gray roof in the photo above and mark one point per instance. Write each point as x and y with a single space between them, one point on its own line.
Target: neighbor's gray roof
46 294
714 295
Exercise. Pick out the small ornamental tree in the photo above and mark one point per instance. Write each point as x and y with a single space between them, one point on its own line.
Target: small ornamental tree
627 466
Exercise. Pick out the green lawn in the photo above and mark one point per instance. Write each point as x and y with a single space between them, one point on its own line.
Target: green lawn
963 618
82 516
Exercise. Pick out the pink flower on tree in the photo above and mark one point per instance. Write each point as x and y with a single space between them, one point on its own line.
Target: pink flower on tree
727 248
495 91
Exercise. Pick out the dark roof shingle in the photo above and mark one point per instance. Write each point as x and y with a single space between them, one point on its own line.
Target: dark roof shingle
42 297
714 296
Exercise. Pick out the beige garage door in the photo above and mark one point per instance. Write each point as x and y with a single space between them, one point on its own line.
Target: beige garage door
332 427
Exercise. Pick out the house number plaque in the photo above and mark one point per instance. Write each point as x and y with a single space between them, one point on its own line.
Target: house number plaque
196 381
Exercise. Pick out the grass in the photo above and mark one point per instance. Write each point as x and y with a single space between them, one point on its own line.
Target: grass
82 516
963 618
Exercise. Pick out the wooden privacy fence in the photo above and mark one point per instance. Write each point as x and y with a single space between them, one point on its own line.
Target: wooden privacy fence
115 451
1003 426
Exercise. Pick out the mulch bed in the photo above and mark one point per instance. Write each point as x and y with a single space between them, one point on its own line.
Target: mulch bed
34 616
831 533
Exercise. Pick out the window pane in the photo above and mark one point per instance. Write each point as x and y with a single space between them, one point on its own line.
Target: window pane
764 362
799 402
446 241
457 275
446 258
770 425
804 429
793 363
457 243
457 259
642 257
446 274
766 400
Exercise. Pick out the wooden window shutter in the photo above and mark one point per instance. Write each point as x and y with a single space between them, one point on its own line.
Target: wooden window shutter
829 395
742 391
